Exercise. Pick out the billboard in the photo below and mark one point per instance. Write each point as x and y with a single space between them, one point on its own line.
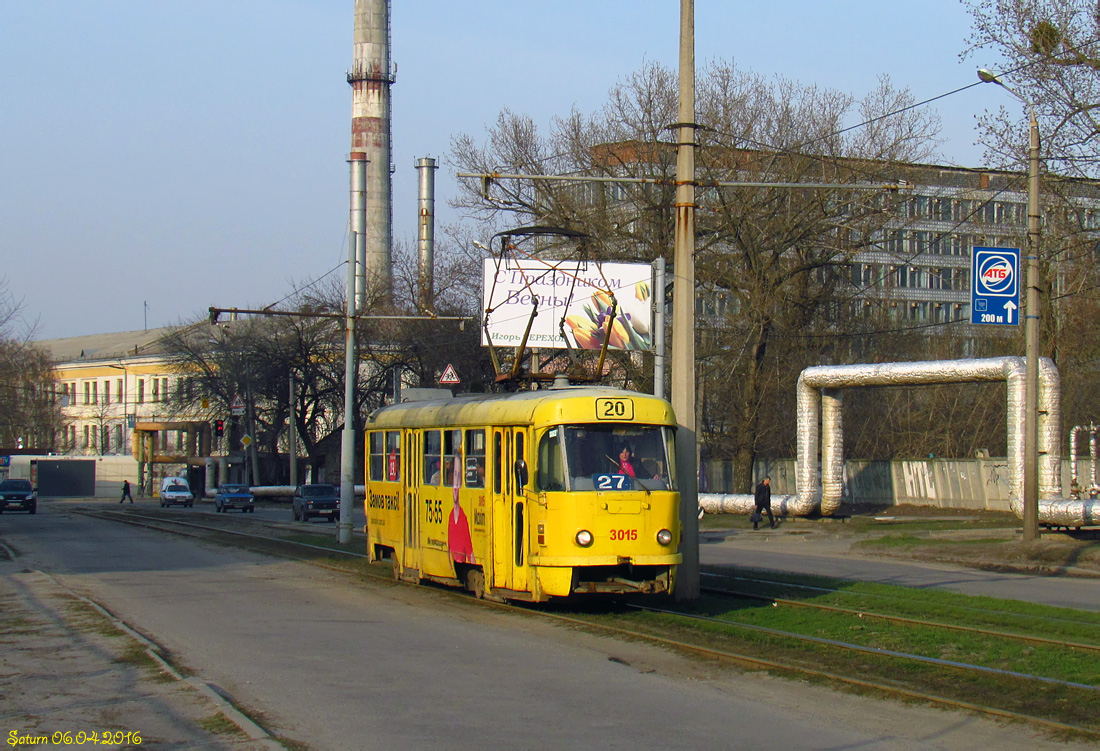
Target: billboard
575 290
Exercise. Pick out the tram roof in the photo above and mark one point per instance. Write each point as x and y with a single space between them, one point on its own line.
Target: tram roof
517 408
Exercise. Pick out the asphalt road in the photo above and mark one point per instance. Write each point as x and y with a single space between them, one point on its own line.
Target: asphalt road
329 663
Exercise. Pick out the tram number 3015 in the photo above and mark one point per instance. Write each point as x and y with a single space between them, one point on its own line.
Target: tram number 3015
624 534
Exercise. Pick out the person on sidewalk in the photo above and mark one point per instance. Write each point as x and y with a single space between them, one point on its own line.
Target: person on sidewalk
126 492
763 503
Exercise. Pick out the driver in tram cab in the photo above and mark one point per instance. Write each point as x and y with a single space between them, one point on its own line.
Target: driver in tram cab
630 465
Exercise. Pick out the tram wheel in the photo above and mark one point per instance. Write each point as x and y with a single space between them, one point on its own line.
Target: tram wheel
475 583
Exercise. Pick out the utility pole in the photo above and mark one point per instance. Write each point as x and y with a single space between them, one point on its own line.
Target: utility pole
358 162
292 433
1031 338
1031 319
683 316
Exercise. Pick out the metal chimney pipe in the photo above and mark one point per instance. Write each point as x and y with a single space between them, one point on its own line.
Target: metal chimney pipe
370 80
426 168
357 271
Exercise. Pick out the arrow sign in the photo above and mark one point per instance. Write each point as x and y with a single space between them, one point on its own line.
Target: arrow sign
995 286
449 377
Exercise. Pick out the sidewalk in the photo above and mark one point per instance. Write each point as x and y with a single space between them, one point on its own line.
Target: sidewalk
71 674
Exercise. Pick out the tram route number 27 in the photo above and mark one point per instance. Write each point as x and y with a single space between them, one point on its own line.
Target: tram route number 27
608 408
624 534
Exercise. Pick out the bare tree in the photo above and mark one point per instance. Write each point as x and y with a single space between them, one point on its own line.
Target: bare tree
769 261
1050 53
30 415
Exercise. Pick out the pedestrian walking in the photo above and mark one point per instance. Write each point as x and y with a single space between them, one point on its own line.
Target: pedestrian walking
763 497
126 492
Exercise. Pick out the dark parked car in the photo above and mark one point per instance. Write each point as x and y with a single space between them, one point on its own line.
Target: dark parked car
316 500
234 496
18 495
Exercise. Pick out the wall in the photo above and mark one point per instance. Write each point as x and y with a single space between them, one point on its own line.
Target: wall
946 483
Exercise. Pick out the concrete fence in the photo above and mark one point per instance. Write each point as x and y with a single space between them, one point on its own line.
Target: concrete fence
946 483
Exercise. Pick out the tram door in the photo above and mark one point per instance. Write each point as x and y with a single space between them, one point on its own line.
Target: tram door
509 512
410 527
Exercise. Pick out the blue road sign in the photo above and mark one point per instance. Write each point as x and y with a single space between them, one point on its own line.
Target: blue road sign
995 286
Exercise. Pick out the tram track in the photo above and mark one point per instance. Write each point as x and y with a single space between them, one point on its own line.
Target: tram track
694 634
1029 639
776 584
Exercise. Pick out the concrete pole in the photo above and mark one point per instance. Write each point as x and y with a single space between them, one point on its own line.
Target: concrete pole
347 437
292 434
1031 337
659 327
683 316
426 282
370 80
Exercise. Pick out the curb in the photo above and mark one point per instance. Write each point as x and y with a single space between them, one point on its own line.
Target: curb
254 731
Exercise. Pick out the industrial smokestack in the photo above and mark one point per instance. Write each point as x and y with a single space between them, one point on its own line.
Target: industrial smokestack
370 80
426 172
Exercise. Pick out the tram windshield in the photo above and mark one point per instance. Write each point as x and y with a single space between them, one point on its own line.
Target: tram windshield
606 457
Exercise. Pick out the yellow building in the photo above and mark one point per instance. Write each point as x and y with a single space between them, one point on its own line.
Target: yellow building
117 402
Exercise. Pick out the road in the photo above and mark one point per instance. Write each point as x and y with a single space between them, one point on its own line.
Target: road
329 663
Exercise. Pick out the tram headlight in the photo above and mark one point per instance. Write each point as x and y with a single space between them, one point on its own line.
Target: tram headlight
664 537
584 538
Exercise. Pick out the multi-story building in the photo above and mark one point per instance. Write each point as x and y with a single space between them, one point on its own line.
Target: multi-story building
920 263
116 401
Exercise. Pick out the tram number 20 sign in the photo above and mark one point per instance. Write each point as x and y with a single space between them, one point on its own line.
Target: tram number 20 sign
614 409
995 287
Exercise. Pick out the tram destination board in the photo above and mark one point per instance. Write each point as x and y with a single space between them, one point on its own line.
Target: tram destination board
995 287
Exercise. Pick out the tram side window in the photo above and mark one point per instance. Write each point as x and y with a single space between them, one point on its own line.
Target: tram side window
475 458
433 459
377 456
498 446
393 455
452 458
551 472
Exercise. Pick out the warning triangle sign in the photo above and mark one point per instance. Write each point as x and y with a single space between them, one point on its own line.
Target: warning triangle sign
449 377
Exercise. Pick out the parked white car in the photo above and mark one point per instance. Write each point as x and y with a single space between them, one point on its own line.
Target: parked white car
175 490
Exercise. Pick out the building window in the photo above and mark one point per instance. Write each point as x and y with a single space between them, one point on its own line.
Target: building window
105 439
118 437
119 391
156 389
107 392
95 392
87 436
141 391
87 392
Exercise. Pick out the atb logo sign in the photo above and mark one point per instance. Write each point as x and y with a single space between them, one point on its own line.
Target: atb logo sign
996 274
995 292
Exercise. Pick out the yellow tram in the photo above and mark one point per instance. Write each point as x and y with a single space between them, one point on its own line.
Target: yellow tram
527 496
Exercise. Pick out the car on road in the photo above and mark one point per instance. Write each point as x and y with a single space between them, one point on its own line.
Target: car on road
316 500
234 496
18 495
176 490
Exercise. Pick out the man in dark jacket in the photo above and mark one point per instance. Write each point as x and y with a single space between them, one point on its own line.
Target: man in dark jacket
763 503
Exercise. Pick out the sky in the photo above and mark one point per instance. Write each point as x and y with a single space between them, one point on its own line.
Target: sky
162 156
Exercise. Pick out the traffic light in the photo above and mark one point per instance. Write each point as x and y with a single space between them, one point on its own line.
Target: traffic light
219 428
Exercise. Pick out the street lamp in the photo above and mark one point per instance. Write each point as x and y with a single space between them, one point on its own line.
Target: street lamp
1031 321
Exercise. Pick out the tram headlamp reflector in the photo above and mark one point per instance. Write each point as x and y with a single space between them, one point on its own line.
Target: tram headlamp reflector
664 537
584 538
